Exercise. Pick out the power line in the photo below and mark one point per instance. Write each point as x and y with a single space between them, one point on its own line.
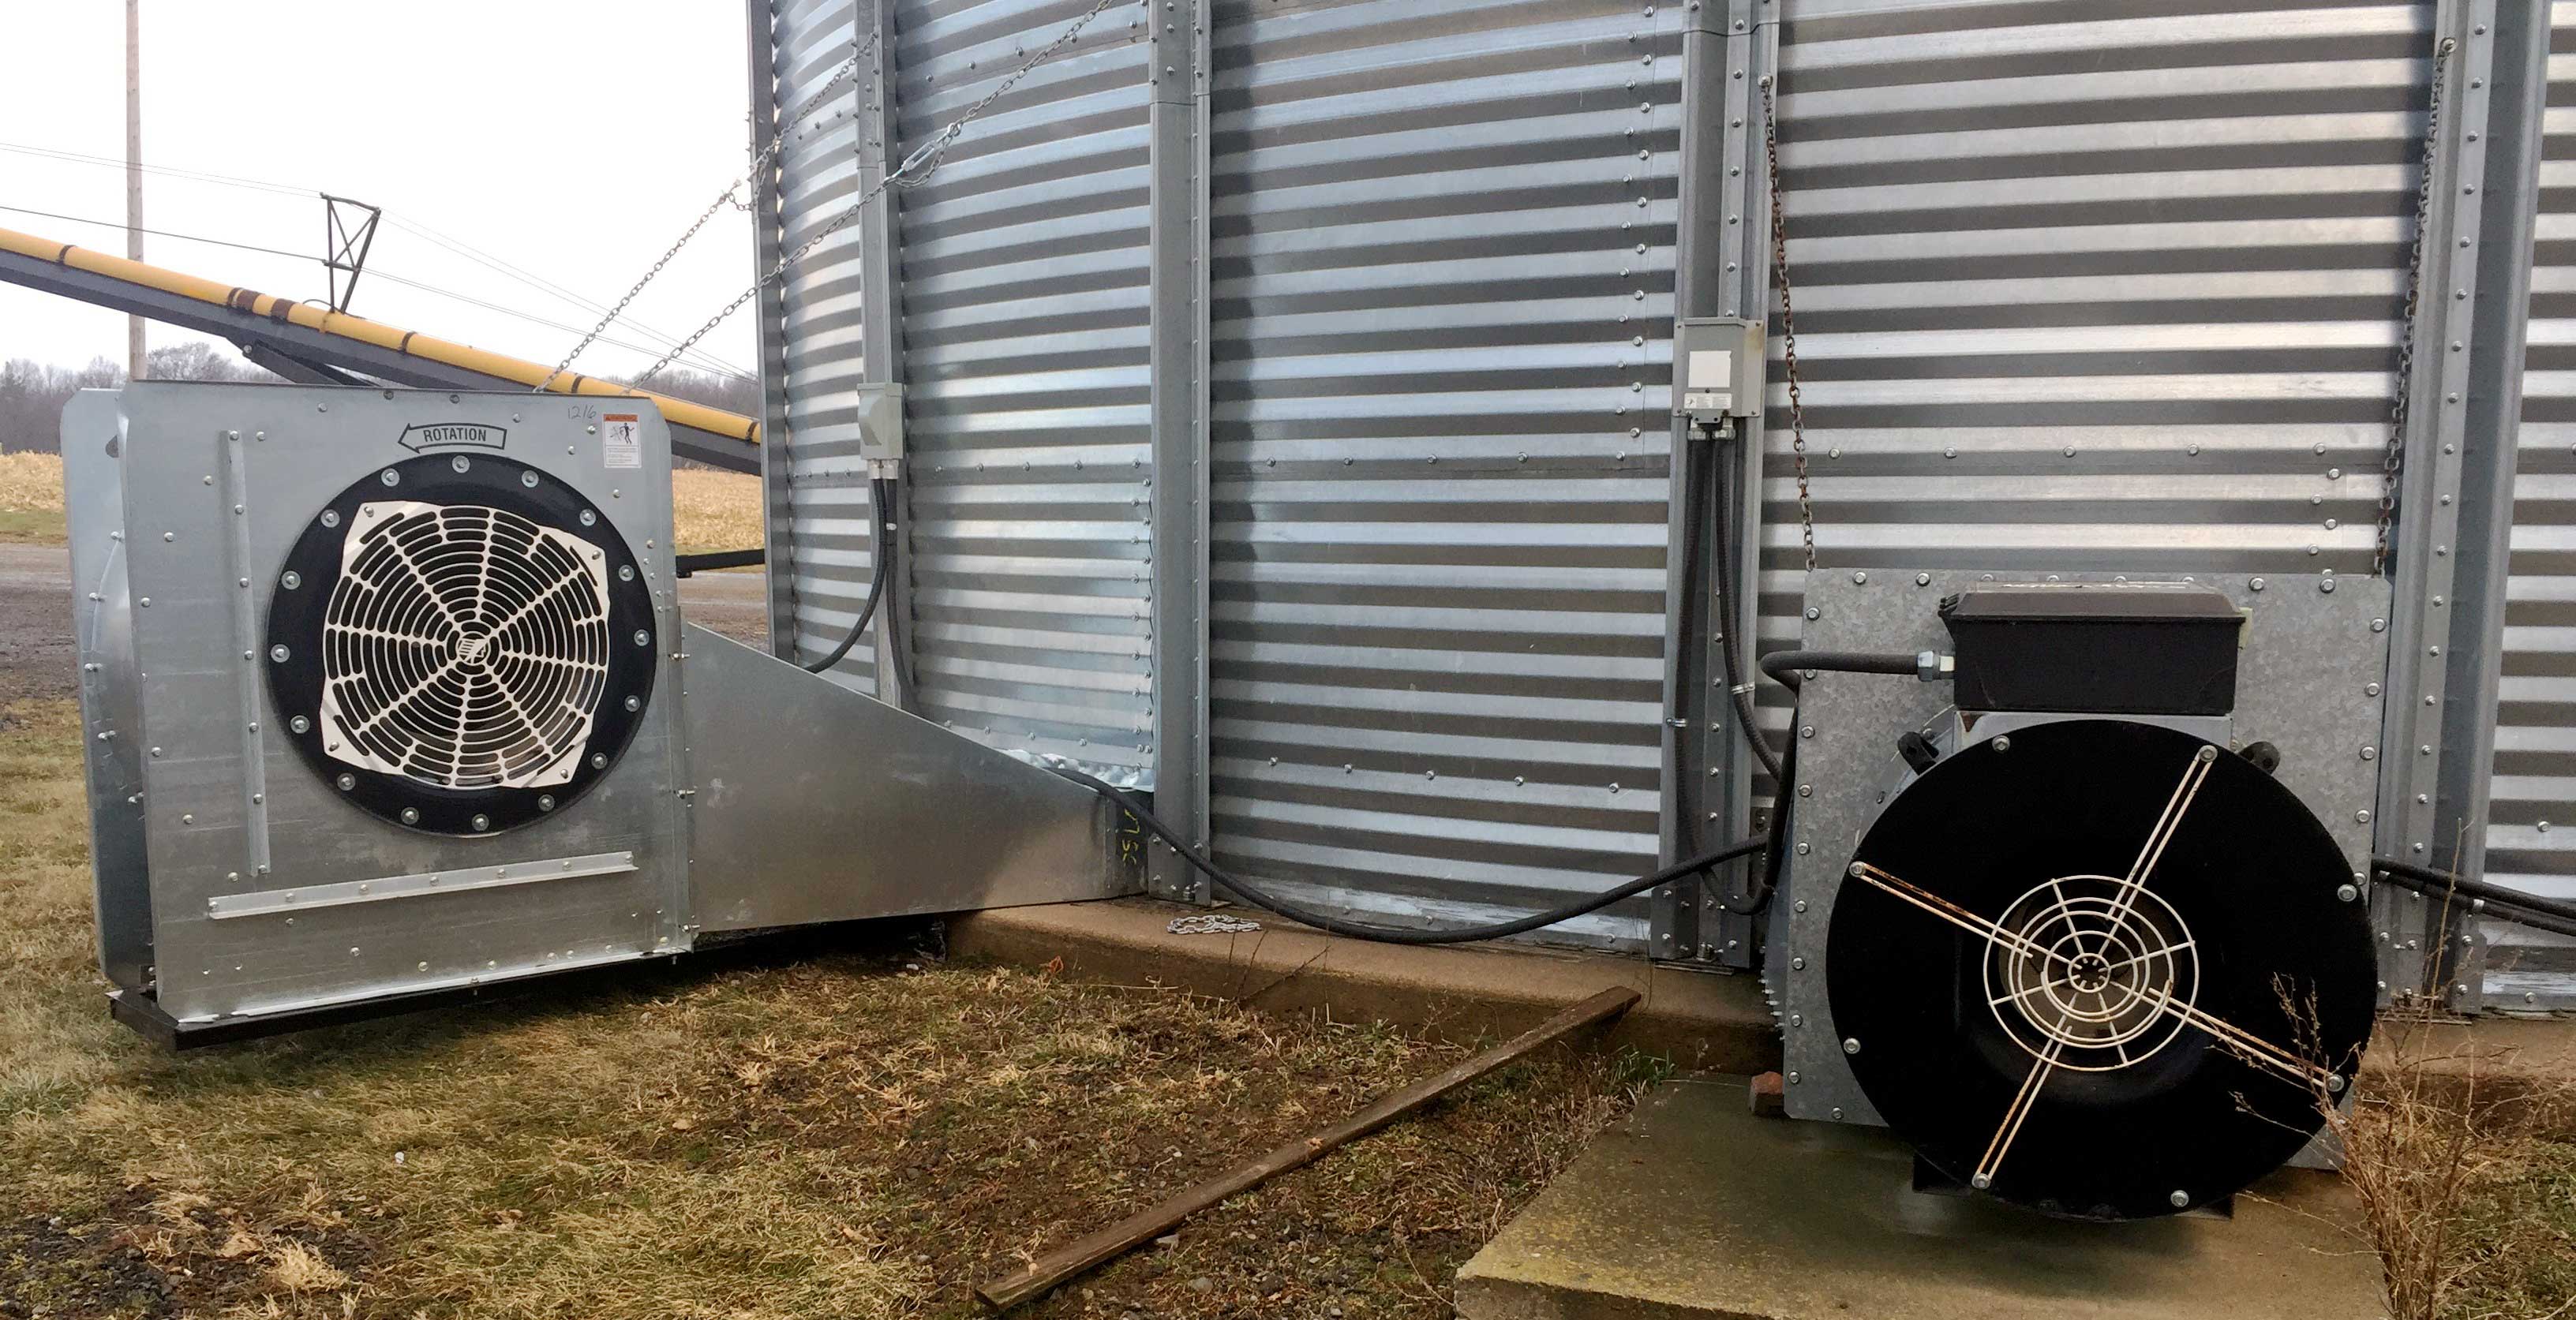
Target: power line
85 158
700 359
702 365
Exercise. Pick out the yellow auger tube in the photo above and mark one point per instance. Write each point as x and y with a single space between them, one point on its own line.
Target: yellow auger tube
714 421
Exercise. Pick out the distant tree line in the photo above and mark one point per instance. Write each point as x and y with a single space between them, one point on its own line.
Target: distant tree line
32 394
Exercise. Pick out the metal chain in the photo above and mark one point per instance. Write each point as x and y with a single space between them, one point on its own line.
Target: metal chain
915 168
1788 320
2400 396
759 163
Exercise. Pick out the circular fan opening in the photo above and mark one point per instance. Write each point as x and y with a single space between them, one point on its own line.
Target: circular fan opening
460 645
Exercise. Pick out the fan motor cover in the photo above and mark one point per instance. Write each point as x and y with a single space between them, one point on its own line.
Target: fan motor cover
461 644
2122 900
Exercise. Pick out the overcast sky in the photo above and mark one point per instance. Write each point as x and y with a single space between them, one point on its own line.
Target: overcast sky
572 138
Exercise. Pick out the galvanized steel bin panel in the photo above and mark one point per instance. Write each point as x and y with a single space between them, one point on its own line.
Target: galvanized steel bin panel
1023 266
2084 292
828 543
2531 831
1441 293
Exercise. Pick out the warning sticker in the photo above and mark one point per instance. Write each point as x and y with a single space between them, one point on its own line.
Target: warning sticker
622 440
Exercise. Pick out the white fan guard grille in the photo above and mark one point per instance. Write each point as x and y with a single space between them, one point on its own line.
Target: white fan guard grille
465 646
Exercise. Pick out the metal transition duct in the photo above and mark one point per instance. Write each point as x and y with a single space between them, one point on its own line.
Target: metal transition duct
403 674
1290 396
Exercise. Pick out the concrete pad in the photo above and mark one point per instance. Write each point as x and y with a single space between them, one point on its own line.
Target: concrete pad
1695 1208
1700 1020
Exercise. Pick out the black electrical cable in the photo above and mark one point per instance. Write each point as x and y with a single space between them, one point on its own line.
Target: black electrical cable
1736 687
1787 668
878 495
2494 900
1260 898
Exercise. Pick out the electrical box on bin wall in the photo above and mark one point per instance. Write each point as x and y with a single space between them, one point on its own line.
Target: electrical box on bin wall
1718 368
880 413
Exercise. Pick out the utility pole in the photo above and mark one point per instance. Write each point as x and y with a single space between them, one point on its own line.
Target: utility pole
134 172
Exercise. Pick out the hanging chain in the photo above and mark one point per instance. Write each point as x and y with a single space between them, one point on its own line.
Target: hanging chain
915 168
2404 388
759 164
1788 320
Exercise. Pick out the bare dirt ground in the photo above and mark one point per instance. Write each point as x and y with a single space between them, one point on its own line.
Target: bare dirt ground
35 622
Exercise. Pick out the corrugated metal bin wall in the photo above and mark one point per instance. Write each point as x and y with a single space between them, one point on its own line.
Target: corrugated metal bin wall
1022 259
828 546
1442 273
2078 292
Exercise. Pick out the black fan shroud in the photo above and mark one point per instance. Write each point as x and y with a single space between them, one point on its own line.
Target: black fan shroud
537 659
2139 1112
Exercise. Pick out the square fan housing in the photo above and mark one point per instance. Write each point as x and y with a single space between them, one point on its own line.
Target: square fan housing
380 690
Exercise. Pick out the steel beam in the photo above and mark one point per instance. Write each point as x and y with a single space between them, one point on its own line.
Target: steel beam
2497 313
769 306
1720 269
2424 665
881 322
1177 371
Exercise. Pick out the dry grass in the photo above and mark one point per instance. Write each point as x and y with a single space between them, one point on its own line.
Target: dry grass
711 510
714 510
31 483
849 1134
31 498
2463 1160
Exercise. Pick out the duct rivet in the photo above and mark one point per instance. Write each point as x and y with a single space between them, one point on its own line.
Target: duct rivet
643 638
482 822
1806 731
2370 689
1851 1044
1814 614
2326 586
1853 870
2335 1083
278 653
146 602
1860 579
1800 905
2256 584
1923 579
300 724
460 463
2348 893
2361 817
330 517
1797 1019
2370 753
625 572
599 760
1981 1182
411 815
1797 964
2001 744
528 479
546 802
2178 1198
589 518
590 430
389 477
187 818
635 703
1804 849
1793 1079
346 782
